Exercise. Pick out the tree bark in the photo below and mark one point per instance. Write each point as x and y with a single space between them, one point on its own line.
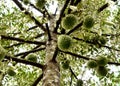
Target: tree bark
51 74
51 71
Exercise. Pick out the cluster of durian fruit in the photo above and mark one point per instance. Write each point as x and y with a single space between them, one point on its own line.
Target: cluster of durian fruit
99 65
10 70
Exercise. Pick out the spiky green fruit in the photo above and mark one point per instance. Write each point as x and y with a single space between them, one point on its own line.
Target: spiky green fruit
32 57
65 65
26 2
102 71
2 53
64 42
102 61
79 82
92 64
89 22
11 72
102 41
69 21
40 3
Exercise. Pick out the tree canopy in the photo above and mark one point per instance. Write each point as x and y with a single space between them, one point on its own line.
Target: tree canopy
81 36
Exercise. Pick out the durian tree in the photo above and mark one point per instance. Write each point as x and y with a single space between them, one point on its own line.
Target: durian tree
59 43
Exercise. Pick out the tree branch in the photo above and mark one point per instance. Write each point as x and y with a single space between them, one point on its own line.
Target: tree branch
32 28
94 44
27 13
117 34
76 55
31 51
23 56
37 80
61 15
112 48
39 35
24 61
55 54
73 73
86 58
16 44
48 32
102 7
22 40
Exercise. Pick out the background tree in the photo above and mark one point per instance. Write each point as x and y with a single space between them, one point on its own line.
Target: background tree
75 44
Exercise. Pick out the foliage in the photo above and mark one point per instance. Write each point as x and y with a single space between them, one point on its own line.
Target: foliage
28 30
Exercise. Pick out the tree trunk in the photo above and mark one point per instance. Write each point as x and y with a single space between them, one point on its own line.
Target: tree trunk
51 71
51 74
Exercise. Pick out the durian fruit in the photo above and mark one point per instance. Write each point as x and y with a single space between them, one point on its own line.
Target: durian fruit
89 22
69 21
79 82
2 53
11 72
92 64
32 57
102 61
64 42
40 3
102 41
65 65
102 70
26 2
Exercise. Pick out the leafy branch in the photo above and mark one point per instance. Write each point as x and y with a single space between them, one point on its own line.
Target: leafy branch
24 61
61 15
86 58
78 39
27 13
30 51
22 40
